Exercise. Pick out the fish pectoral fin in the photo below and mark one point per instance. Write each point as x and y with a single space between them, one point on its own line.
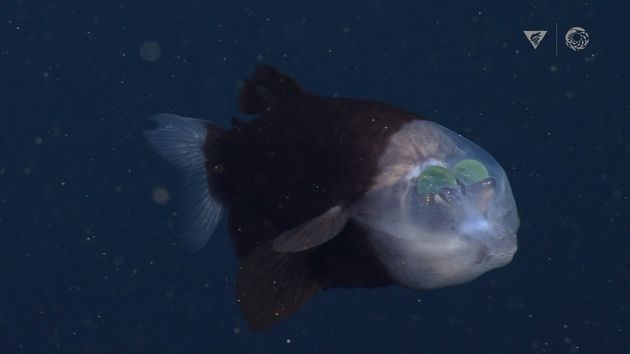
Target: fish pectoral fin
313 232
271 285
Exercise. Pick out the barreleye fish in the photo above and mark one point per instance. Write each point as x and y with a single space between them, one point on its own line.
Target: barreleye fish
325 192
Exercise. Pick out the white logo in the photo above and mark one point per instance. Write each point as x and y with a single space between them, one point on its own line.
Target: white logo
576 38
535 37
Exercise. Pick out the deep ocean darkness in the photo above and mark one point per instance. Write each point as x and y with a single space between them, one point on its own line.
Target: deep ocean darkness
89 258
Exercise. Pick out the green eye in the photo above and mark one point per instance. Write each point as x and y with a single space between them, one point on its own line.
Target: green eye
470 171
434 178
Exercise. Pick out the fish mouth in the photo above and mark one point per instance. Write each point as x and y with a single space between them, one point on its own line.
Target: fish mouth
503 256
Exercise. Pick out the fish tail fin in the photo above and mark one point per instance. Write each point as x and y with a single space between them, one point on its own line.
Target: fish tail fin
272 285
185 143
265 88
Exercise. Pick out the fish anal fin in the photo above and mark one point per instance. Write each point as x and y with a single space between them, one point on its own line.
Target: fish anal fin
271 285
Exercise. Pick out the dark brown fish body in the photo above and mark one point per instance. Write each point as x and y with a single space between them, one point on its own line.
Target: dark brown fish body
296 161
297 182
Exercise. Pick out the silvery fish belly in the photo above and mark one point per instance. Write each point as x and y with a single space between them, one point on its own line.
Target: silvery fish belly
441 211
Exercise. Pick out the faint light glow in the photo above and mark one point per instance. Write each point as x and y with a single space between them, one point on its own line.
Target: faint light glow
161 195
150 51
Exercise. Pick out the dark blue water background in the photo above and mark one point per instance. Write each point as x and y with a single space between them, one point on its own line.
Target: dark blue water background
89 263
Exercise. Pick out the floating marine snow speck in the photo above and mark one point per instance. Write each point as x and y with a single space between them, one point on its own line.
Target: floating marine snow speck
324 192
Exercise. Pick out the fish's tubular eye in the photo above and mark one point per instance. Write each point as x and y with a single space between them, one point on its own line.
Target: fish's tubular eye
434 178
470 171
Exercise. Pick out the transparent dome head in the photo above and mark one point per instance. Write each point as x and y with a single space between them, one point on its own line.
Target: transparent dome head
445 202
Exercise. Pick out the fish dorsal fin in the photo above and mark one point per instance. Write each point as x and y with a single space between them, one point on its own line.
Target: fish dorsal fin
273 285
265 88
313 232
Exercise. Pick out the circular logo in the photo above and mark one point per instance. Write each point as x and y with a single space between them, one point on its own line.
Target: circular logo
576 38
